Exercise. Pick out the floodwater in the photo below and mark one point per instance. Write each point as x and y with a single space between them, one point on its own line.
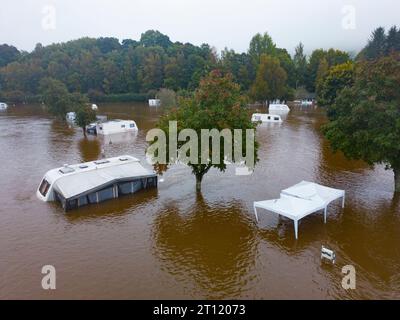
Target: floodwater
170 243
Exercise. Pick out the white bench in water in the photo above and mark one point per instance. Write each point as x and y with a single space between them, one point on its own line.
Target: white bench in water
265 118
300 201
93 182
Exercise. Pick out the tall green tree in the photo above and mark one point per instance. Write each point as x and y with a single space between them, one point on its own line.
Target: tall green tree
154 38
365 118
270 80
84 115
322 71
56 97
217 104
338 78
300 65
8 54
393 40
261 44
376 46
333 57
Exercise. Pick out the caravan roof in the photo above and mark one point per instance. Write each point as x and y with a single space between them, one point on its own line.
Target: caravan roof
72 181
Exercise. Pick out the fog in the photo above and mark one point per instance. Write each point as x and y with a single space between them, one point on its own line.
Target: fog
343 24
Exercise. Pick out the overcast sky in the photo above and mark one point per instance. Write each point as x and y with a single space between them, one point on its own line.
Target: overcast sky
343 24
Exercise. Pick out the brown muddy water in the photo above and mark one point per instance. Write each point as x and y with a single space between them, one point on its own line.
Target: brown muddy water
171 244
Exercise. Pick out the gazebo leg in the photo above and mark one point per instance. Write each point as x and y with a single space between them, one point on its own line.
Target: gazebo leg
296 229
325 212
344 196
255 212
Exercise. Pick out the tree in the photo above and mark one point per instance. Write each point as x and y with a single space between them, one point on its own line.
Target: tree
167 97
261 45
8 54
153 38
270 80
216 104
300 65
323 69
56 97
333 57
84 115
365 119
393 40
337 78
376 46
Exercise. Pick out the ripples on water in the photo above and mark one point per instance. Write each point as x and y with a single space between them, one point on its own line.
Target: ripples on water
172 243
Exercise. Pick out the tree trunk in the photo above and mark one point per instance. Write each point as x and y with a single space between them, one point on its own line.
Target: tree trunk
199 178
396 179
84 131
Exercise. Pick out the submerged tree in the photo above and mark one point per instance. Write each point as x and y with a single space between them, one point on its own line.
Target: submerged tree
56 97
216 105
167 97
84 112
365 119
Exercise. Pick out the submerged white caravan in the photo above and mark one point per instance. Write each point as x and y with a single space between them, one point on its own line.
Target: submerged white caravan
94 182
95 107
154 102
116 126
266 118
70 117
278 107
3 106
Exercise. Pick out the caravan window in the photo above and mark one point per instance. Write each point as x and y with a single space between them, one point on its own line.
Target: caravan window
125 188
132 125
106 194
44 187
123 126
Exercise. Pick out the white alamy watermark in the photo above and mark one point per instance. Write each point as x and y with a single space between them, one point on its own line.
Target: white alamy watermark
49 279
349 21
233 142
49 19
349 280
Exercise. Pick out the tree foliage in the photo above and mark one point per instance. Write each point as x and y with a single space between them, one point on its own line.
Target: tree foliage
217 104
106 66
56 97
365 118
381 44
300 66
337 78
270 80
84 115
333 57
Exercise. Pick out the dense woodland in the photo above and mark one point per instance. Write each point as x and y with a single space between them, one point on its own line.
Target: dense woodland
106 68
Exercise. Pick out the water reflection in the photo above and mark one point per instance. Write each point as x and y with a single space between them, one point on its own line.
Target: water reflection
119 138
90 148
112 209
213 244
166 243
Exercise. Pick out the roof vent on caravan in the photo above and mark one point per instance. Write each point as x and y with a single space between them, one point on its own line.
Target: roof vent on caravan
102 162
66 169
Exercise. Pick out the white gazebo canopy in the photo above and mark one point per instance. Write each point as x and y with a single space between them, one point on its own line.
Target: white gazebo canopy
300 201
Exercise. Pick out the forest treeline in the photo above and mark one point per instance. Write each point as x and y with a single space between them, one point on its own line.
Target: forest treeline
106 68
